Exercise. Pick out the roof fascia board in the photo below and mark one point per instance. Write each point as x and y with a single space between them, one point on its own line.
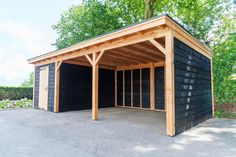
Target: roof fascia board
130 30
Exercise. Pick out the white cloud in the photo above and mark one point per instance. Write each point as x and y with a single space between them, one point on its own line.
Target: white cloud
23 42
34 41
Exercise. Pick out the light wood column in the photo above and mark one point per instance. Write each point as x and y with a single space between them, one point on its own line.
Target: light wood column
212 91
95 92
169 85
95 70
57 85
115 88
152 87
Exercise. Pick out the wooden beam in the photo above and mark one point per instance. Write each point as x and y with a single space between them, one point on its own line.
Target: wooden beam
99 56
105 38
84 63
152 87
128 56
169 85
59 64
128 41
121 59
138 66
184 36
157 45
150 50
89 59
139 53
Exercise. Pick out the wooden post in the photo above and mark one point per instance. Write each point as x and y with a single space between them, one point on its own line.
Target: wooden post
132 90
115 88
141 93
123 88
95 92
169 85
212 91
34 85
95 70
152 87
57 86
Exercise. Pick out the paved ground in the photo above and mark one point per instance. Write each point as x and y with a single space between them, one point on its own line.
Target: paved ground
119 133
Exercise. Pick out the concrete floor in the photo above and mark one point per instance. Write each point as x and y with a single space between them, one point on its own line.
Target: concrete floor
119 133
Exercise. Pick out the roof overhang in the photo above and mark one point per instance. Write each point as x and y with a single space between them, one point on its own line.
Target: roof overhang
163 22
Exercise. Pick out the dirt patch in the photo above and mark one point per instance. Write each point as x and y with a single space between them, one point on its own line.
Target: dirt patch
229 107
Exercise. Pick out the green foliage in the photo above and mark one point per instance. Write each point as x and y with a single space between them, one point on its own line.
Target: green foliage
210 21
219 113
224 66
85 21
23 103
16 93
225 114
29 81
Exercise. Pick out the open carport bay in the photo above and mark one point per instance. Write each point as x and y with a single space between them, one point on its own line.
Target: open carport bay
119 132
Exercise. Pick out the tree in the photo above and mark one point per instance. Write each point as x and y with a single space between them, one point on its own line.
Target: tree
29 81
224 66
210 21
149 8
85 21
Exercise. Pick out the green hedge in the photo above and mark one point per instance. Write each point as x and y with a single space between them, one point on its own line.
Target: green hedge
16 93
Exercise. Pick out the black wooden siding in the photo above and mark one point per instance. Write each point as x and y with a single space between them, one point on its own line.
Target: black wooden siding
146 88
51 82
127 88
159 88
76 88
136 87
120 88
193 97
106 89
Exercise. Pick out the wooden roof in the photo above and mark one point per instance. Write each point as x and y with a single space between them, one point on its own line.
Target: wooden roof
123 46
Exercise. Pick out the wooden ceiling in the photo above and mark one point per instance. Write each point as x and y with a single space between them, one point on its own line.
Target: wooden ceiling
135 54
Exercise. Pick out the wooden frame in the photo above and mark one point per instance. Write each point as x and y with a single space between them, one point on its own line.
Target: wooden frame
118 51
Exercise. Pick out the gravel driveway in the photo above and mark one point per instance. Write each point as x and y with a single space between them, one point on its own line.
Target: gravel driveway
118 133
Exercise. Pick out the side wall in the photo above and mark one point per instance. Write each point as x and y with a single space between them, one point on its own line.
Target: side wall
51 82
193 97
76 88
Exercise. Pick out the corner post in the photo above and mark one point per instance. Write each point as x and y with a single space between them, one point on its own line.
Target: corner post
57 85
115 88
169 85
212 91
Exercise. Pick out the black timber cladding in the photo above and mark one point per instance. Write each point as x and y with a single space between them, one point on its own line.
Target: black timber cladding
159 88
127 87
146 88
193 99
76 88
120 88
51 83
136 87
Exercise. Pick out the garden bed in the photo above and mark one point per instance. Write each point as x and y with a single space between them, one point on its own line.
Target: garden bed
226 110
13 104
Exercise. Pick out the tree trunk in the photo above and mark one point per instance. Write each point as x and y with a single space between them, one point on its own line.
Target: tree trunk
149 8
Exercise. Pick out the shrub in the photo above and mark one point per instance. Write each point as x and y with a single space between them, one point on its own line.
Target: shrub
16 93
23 103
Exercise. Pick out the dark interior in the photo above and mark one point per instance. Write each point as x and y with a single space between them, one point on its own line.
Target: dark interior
76 88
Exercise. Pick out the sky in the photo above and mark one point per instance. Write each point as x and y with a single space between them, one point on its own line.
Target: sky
25 32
